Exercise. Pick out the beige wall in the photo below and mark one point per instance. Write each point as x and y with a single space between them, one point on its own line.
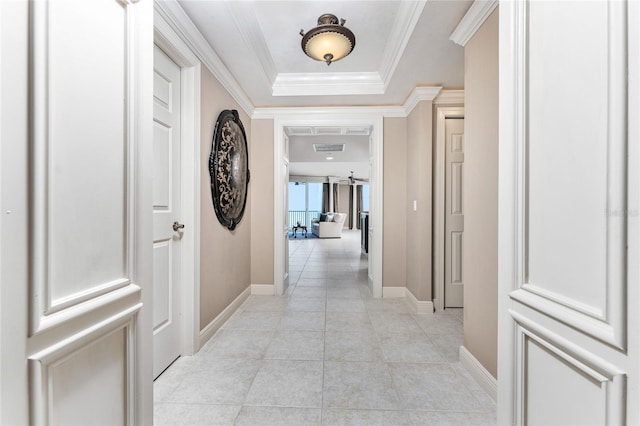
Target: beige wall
394 246
419 183
225 256
262 195
481 194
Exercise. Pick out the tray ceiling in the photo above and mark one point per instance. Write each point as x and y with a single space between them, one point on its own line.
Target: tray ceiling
399 45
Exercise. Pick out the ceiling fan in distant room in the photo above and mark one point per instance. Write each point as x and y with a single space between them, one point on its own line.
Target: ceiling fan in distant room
352 180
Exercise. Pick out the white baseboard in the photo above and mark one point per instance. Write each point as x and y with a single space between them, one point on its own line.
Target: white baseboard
211 328
479 373
419 306
393 292
436 305
262 289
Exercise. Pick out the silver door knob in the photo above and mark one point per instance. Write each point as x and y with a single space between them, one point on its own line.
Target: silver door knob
177 225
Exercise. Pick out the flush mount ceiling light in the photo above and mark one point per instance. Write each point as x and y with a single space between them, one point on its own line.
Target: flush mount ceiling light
329 157
330 41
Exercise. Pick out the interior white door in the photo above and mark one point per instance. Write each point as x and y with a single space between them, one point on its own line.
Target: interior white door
285 213
76 217
166 212
568 214
371 257
454 213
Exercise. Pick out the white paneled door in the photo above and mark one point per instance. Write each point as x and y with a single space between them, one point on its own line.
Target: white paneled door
285 212
371 258
454 213
167 229
568 219
76 212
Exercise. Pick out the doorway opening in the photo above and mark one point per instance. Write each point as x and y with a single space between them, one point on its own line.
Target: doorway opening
329 121
328 193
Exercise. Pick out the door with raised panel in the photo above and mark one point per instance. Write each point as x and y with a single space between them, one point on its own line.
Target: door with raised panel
569 236
285 212
76 212
454 213
167 230
371 257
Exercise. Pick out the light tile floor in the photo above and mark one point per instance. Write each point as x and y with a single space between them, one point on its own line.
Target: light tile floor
327 353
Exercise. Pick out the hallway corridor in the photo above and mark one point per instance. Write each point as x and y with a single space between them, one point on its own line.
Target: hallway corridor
327 353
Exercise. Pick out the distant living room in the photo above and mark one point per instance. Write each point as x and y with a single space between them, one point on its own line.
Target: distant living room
324 207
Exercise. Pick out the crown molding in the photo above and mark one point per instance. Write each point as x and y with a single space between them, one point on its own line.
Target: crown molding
244 16
270 113
420 94
472 21
337 83
417 95
178 20
449 97
408 15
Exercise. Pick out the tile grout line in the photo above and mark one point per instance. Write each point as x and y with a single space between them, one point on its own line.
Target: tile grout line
324 347
242 405
386 364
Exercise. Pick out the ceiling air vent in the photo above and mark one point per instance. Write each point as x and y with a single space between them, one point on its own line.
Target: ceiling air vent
328 147
328 130
360 131
292 131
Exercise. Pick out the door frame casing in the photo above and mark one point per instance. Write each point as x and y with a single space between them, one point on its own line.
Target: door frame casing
336 116
442 114
167 39
509 123
14 220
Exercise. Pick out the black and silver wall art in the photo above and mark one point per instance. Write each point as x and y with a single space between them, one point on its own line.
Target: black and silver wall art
229 169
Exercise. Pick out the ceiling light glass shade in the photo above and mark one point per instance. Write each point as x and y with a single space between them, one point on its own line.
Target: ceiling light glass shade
330 41
330 45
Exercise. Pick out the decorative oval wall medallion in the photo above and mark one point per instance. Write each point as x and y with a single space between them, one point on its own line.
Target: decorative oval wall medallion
229 168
